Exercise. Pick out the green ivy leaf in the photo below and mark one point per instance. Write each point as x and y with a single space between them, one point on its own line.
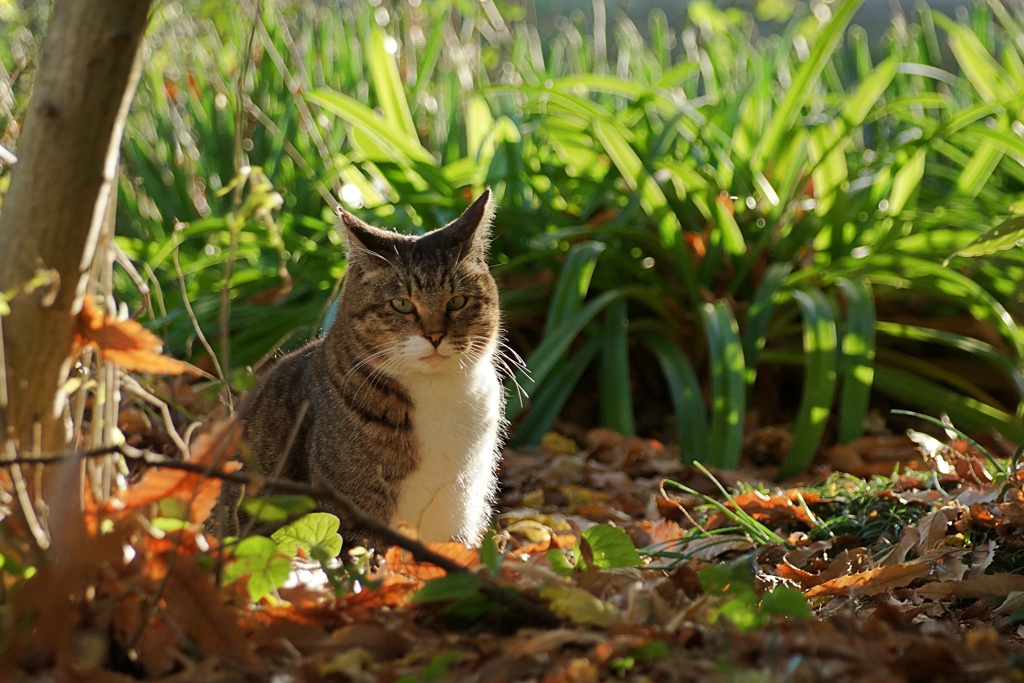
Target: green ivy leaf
169 524
727 577
448 587
278 508
316 533
580 606
650 652
786 602
257 557
11 566
489 555
742 612
610 547
559 562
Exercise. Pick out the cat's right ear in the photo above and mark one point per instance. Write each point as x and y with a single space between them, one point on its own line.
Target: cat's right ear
367 245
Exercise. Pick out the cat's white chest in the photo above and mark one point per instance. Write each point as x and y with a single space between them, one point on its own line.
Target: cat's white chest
457 417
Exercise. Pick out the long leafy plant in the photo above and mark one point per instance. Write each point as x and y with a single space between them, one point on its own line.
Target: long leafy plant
762 220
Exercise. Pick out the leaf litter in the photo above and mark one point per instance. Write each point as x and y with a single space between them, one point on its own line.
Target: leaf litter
649 582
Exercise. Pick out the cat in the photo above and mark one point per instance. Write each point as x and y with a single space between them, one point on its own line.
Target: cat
400 402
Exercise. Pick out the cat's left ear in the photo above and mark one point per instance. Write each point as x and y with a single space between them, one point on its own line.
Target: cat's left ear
473 228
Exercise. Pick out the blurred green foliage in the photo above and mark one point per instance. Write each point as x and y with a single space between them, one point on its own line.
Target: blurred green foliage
719 227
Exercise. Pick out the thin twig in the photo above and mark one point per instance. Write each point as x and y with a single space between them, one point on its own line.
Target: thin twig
132 385
25 506
191 314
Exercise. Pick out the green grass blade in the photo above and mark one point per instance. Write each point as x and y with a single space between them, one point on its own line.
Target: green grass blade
728 402
820 360
934 398
801 89
360 116
616 390
906 181
388 86
553 347
987 77
759 314
857 107
974 347
548 403
1006 235
858 358
614 140
573 282
687 397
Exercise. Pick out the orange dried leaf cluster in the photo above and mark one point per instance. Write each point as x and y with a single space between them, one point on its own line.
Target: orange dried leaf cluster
200 492
124 342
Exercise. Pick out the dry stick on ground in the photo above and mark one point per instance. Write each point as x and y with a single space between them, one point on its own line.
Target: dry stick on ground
320 491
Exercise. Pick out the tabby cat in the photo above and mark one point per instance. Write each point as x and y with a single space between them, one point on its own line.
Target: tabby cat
400 402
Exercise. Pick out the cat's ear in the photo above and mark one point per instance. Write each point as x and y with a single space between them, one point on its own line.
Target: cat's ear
366 244
473 228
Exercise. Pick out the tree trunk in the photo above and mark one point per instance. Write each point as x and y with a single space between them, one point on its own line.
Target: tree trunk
51 217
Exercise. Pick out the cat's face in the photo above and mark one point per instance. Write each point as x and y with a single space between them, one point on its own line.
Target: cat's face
422 304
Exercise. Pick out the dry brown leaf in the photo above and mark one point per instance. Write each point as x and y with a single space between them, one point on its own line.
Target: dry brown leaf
661 534
799 565
710 548
213 449
391 591
773 509
982 586
910 539
933 528
400 562
135 625
195 605
124 342
873 581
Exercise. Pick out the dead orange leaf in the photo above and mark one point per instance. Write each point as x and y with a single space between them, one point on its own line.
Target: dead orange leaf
124 342
777 508
398 561
391 591
873 581
663 533
214 449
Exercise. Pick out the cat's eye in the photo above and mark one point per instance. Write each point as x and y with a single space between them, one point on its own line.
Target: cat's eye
403 305
456 302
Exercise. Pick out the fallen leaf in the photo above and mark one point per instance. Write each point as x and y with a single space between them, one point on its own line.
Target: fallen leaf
981 586
933 527
392 591
777 508
124 342
579 606
400 562
195 605
873 581
213 449
709 548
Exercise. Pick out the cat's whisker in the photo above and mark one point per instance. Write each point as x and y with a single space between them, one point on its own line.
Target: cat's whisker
362 362
381 370
511 364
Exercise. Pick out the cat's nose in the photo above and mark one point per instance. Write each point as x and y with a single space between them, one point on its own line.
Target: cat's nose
435 338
